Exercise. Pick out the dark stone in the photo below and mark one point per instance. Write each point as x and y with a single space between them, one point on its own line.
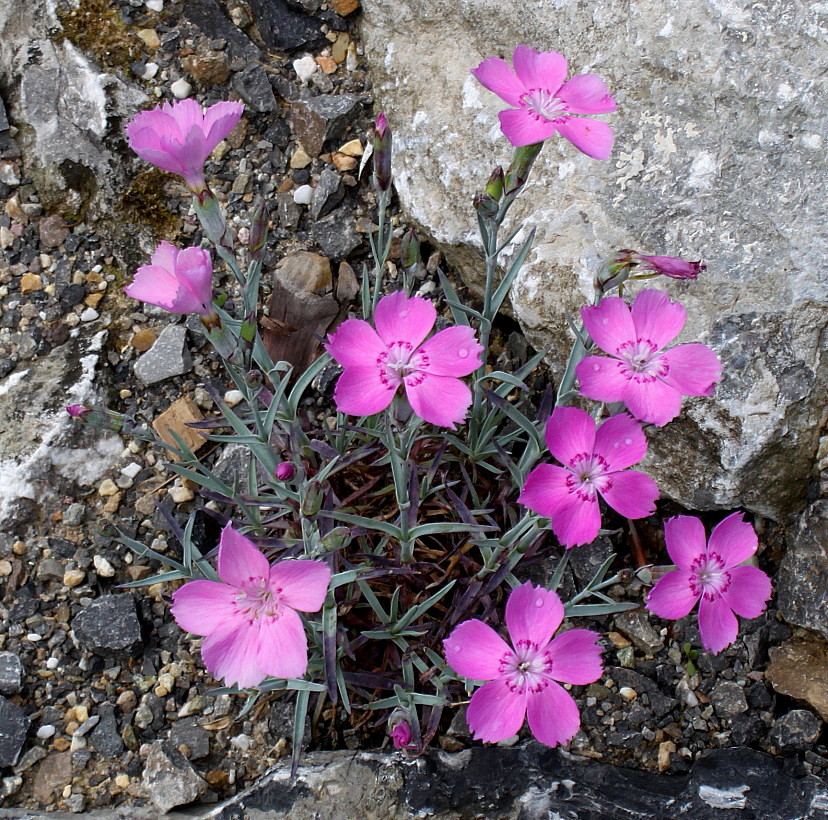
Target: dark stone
321 119
72 295
327 194
728 699
11 673
628 677
336 234
189 733
587 559
796 731
105 737
4 120
746 729
278 133
287 211
284 28
253 86
13 728
109 626
209 17
759 696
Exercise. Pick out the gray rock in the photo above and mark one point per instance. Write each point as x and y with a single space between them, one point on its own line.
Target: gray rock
637 627
253 86
728 699
168 357
74 515
4 120
681 181
13 727
336 234
169 780
11 673
213 22
189 733
796 732
321 119
327 194
802 580
283 27
109 626
288 212
105 738
586 560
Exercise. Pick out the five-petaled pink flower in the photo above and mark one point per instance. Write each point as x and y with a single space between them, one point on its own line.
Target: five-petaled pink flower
179 137
526 678
649 382
709 572
671 266
377 363
544 103
595 463
250 619
178 281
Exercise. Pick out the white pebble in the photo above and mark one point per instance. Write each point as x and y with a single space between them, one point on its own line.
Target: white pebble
233 397
305 67
181 89
154 5
627 693
242 742
34 637
52 663
303 195
89 315
45 732
131 470
150 70
103 567
426 287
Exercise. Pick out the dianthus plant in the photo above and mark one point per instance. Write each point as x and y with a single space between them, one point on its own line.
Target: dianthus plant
366 562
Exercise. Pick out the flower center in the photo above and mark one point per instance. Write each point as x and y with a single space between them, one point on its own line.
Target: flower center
526 669
589 474
708 576
259 600
644 364
399 363
543 104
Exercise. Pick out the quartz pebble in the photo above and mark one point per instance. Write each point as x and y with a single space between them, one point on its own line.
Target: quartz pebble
181 89
303 195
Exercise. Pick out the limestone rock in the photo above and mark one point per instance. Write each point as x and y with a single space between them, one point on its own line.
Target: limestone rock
169 780
799 669
168 357
716 134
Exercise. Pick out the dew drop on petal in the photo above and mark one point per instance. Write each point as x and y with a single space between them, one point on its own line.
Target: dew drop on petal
463 352
605 321
628 441
596 367
458 648
538 601
403 313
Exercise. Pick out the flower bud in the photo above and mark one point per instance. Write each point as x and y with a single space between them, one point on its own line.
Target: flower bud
494 187
337 539
399 729
258 231
615 271
518 172
410 250
382 154
285 471
312 498
78 411
485 205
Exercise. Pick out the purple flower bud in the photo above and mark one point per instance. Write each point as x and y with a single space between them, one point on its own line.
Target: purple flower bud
401 735
78 411
382 154
285 471
672 266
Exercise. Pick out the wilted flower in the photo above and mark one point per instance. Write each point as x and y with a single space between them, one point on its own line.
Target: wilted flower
178 281
525 679
671 266
544 103
649 382
595 463
709 572
250 617
78 411
178 137
377 363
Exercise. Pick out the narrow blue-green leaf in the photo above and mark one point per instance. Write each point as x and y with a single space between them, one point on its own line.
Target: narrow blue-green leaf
586 610
452 299
368 523
300 715
303 382
441 527
161 578
374 602
557 575
421 609
506 283
506 378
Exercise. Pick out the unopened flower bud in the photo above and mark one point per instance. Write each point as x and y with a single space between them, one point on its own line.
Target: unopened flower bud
336 539
312 498
78 411
258 231
399 729
285 471
615 271
382 154
494 187
410 250
518 172
485 205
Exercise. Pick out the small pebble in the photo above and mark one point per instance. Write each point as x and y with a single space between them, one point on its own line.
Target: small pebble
303 195
103 567
181 89
305 67
233 397
45 732
89 315
73 577
107 488
153 5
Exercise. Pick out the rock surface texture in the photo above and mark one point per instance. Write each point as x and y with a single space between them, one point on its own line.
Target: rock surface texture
718 151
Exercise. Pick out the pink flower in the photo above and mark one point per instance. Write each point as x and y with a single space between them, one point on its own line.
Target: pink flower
78 411
543 104
595 463
710 572
649 382
525 679
671 266
379 362
178 281
250 619
401 734
179 137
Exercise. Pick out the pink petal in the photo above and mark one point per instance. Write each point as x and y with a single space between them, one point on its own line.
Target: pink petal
587 94
361 392
734 539
219 120
578 522
532 615
188 114
685 539
749 591
553 715
656 318
621 442
164 256
440 400
301 584
539 69
592 137
240 562
693 369
475 651
652 401
632 494
155 286
602 378
232 655
191 154
609 324
496 712
454 351
521 127
202 607
282 646
672 597
717 624
546 490
160 158
570 432
575 657
496 75
194 271
400 319
355 344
